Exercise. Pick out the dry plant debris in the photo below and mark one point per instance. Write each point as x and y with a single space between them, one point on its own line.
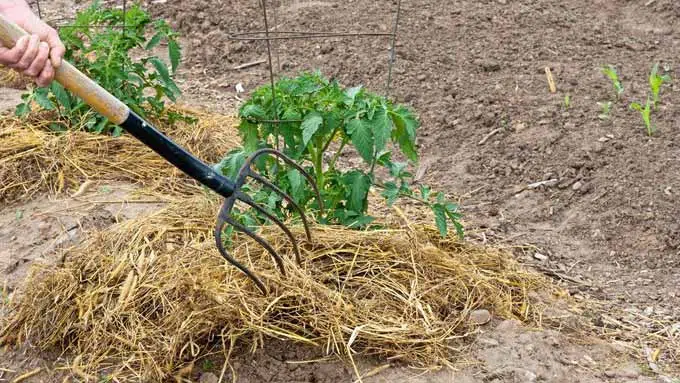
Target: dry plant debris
9 78
33 159
148 297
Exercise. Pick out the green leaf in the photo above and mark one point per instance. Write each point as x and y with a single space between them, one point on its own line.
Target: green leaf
22 109
250 136
296 185
101 125
384 158
161 68
382 127
232 163
425 192
358 221
391 193
362 139
61 95
253 111
405 132
175 54
440 219
310 125
155 40
43 101
359 184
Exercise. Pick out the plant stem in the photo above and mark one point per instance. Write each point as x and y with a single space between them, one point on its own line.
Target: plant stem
331 165
325 147
317 159
411 196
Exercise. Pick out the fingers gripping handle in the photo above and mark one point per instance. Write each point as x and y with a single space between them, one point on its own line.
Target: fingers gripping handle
74 80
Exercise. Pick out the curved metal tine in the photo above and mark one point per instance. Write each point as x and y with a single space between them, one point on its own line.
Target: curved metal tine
292 163
285 196
220 247
261 241
278 223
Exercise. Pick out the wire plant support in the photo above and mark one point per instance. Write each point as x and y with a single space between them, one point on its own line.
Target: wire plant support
270 36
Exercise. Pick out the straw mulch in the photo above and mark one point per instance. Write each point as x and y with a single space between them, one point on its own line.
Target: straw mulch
149 296
33 159
11 79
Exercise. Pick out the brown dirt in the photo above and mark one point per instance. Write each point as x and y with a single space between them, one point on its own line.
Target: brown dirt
608 225
470 68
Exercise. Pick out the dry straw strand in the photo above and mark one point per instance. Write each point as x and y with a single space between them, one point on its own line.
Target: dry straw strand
398 293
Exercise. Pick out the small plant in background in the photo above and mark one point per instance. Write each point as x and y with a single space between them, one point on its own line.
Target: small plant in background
325 120
605 109
567 101
97 44
655 83
612 74
646 113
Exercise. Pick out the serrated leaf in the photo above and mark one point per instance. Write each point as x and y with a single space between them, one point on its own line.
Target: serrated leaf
391 193
440 219
405 132
359 184
362 139
249 135
175 54
382 126
44 102
253 111
310 125
22 109
60 95
296 185
161 68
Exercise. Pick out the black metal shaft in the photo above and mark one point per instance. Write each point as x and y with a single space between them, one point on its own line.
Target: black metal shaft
178 156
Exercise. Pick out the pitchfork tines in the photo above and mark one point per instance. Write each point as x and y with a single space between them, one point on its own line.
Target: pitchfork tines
225 217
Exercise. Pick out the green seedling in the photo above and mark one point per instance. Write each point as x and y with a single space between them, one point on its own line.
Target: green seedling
323 120
646 113
605 108
567 101
655 83
613 75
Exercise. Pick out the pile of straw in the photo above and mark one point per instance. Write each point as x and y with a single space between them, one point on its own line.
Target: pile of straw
150 296
12 79
33 159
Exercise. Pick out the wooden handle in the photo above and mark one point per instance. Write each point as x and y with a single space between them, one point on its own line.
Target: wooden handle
73 79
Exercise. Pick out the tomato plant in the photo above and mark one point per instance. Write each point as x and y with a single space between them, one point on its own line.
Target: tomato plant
320 120
99 43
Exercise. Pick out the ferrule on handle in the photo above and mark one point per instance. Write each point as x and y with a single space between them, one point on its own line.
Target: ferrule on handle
72 79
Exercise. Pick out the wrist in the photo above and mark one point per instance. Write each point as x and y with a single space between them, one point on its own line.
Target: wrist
9 4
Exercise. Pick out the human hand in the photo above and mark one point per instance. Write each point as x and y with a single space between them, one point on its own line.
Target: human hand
36 55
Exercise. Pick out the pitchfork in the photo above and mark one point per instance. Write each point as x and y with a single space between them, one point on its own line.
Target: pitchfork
118 113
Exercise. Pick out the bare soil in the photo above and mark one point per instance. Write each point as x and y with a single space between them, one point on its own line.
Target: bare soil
607 224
